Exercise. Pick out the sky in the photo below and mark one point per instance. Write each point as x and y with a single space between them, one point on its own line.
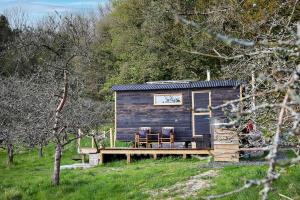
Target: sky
36 9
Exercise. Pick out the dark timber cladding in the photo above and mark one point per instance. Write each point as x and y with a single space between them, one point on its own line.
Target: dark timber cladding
135 108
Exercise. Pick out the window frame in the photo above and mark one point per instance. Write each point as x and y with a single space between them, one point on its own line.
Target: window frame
168 104
195 113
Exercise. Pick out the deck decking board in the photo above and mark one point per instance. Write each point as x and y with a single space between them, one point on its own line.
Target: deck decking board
151 151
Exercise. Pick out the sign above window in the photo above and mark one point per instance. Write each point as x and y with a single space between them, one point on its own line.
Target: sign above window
167 99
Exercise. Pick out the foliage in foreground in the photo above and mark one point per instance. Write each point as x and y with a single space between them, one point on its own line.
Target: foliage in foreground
29 178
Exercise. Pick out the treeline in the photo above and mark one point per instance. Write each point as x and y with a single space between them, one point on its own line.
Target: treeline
144 41
136 41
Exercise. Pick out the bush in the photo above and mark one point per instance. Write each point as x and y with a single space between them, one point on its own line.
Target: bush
12 194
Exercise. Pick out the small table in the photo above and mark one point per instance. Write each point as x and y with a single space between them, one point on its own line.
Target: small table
153 138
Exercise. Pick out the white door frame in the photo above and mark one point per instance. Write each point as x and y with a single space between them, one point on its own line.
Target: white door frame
194 113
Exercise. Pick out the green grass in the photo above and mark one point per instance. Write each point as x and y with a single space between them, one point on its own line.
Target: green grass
30 178
233 177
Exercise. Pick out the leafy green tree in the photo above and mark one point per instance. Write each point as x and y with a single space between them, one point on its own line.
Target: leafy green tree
6 35
15 57
142 41
6 32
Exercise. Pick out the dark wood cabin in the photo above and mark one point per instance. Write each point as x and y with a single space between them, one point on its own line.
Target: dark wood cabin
183 105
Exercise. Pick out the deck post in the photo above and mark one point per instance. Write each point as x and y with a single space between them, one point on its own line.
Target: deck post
114 137
128 158
184 156
101 160
93 142
82 158
154 156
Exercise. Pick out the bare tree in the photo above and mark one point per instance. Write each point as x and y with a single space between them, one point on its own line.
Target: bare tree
18 18
49 104
66 41
10 108
20 112
274 60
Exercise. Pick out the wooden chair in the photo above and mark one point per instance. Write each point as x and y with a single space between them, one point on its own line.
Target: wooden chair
142 136
167 136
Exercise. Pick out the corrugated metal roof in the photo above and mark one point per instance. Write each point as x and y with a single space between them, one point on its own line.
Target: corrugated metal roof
174 86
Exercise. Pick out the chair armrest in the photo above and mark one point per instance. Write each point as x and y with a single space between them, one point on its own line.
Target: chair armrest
136 136
172 137
147 136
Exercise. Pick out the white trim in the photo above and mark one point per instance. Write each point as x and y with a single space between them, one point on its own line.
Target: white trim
115 136
168 104
203 113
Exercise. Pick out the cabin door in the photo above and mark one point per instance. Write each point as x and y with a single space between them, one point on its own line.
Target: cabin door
201 100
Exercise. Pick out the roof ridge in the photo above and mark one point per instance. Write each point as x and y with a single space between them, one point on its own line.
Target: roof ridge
176 85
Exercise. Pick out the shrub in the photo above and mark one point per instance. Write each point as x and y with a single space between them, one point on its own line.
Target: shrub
12 194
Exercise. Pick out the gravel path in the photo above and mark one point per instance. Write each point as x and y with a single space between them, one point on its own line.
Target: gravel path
186 189
76 166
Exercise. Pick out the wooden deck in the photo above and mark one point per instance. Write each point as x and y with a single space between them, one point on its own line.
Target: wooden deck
87 150
151 151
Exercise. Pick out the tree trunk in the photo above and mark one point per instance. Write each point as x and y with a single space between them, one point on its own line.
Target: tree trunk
10 154
56 132
56 172
40 151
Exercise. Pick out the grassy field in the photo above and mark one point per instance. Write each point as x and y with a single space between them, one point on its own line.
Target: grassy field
30 178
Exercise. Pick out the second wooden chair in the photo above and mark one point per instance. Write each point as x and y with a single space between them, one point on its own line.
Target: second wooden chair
167 136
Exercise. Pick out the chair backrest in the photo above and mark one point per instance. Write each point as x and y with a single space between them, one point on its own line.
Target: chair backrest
145 128
166 131
168 127
143 131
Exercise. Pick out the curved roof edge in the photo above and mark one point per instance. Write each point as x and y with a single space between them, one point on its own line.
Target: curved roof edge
174 86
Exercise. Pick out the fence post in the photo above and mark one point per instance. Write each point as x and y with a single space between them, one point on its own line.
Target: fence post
78 140
111 137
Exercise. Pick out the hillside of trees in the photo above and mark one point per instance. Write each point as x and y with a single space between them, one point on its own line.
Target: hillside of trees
135 41
144 41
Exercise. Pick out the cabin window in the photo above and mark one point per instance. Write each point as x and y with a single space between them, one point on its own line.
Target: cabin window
167 99
201 101
202 124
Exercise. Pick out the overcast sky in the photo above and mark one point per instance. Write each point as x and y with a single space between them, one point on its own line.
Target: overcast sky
39 8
